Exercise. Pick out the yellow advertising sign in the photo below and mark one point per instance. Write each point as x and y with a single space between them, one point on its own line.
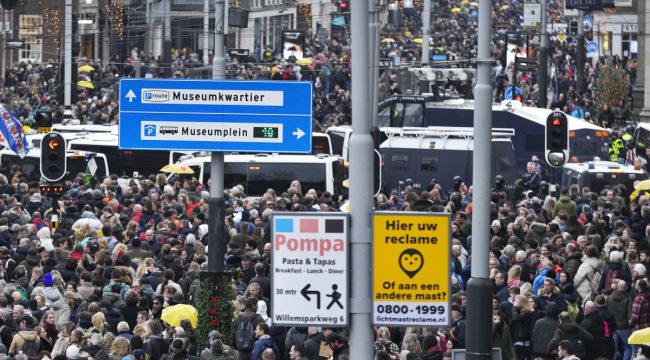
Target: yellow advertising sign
411 260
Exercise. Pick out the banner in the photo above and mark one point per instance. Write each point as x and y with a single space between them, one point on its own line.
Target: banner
12 132
293 44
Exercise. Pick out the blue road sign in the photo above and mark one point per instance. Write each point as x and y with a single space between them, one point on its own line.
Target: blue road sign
507 95
211 115
592 47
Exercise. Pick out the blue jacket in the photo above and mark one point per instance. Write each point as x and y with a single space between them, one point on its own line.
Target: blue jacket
263 343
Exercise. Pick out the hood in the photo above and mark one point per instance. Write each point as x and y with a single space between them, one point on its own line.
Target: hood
538 228
51 293
614 266
266 340
565 199
593 262
29 335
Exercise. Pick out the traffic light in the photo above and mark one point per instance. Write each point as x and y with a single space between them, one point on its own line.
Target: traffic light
53 161
573 28
43 122
344 6
557 139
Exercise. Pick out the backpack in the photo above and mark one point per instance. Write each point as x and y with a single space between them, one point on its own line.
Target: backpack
577 345
612 274
245 335
30 348
574 310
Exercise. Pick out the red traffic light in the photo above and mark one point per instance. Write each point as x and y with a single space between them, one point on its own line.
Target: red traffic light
556 122
343 5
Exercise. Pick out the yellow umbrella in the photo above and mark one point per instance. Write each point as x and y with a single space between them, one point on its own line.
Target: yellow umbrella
86 68
388 40
173 315
504 7
177 169
418 41
456 9
473 3
85 84
304 62
639 337
640 188
464 2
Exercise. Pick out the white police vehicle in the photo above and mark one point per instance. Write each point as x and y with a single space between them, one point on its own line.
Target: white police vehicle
598 174
260 172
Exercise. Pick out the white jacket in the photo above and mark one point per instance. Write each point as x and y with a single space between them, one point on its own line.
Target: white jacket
588 276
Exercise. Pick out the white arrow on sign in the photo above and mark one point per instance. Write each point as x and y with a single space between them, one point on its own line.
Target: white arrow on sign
130 95
298 133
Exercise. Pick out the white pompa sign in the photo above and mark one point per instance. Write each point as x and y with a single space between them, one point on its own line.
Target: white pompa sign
309 269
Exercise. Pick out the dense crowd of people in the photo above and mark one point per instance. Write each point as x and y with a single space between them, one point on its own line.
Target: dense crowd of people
569 267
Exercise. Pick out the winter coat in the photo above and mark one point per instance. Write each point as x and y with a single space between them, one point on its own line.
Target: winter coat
521 325
501 338
566 332
587 277
62 312
623 273
601 345
313 346
620 305
19 340
572 263
556 297
156 346
565 203
264 342
543 333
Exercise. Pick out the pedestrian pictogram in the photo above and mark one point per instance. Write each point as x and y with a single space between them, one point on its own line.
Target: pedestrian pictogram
336 296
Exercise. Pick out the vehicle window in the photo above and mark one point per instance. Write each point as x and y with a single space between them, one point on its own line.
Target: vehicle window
125 162
234 174
642 141
197 173
413 115
279 176
399 162
585 148
534 142
320 145
337 140
429 164
29 166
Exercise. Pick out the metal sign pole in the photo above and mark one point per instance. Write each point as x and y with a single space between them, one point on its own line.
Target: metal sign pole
216 205
543 58
361 189
479 287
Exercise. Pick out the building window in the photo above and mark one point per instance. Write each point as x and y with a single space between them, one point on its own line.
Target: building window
30 30
630 45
